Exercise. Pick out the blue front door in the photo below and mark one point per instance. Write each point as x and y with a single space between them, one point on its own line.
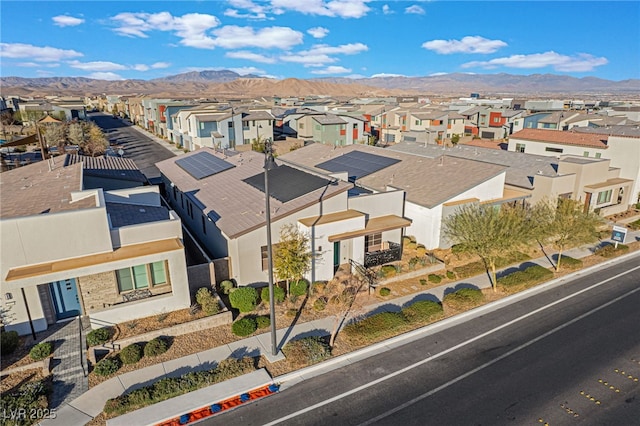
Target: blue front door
65 298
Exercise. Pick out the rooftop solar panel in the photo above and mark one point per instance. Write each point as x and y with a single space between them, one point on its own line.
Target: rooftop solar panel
203 164
287 183
358 164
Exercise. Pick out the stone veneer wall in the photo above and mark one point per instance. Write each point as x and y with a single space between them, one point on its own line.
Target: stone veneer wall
99 291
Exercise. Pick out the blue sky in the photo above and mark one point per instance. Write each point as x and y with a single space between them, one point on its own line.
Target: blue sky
115 40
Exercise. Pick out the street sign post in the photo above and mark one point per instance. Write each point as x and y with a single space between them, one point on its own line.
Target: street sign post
618 234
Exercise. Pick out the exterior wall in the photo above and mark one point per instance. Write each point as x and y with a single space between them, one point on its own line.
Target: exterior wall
625 155
539 148
98 291
379 204
15 315
550 187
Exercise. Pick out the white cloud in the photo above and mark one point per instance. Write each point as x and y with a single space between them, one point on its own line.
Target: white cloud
67 21
387 10
250 56
35 65
97 66
233 37
140 67
333 8
247 70
155 66
469 44
384 75
160 65
256 11
191 28
318 32
319 54
437 74
35 53
415 10
105 76
581 62
332 70
308 59
344 49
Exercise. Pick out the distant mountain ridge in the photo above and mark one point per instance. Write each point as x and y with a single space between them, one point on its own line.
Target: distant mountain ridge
227 83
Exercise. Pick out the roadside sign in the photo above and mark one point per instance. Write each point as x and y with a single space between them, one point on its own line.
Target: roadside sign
618 234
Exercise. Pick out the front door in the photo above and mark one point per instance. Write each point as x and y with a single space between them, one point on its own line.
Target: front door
65 298
336 256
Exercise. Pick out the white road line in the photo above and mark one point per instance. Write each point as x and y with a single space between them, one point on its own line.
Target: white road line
458 346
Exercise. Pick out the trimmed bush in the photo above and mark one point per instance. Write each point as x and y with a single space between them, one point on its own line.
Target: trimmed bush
263 321
155 347
308 350
384 291
413 262
423 310
520 280
434 278
450 275
244 299
9 341
570 262
131 354
464 298
107 366
41 351
320 303
388 270
226 286
99 336
421 250
376 325
207 301
609 250
30 397
244 326
278 294
299 288
319 286
423 281
203 294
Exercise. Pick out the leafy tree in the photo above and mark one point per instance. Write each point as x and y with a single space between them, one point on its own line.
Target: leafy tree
96 143
291 257
570 225
258 144
55 134
455 138
76 133
487 231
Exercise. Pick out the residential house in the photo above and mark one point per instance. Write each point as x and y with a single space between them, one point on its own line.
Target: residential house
66 251
107 172
257 125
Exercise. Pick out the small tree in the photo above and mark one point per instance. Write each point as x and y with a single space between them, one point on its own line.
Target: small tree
258 144
291 257
95 143
340 299
76 134
455 138
56 135
487 231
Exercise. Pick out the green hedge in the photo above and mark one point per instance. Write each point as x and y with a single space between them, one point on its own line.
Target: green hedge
9 341
423 310
130 354
99 336
434 278
570 262
244 299
29 398
41 351
299 287
244 326
610 251
155 347
463 298
263 321
524 279
376 325
170 387
388 271
278 294
384 291
107 366
308 350
226 286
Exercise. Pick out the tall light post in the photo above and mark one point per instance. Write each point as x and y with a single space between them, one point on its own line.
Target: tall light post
270 164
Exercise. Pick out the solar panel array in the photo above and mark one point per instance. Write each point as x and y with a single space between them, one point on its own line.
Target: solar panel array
358 164
203 164
287 183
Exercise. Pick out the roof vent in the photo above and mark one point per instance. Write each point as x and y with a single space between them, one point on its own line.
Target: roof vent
142 210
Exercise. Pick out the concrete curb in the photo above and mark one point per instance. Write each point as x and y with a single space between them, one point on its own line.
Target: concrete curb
290 379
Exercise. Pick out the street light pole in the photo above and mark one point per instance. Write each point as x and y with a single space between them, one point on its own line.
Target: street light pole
270 164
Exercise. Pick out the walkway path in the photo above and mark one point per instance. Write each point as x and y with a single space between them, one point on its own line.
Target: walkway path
69 364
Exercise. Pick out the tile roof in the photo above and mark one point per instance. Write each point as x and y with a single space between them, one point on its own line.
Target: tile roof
258 115
239 206
629 131
329 119
565 138
34 189
107 166
427 181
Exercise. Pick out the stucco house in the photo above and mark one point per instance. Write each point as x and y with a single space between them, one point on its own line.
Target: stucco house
113 256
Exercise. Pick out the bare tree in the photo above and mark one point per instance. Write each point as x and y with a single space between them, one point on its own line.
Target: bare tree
95 143
55 134
76 133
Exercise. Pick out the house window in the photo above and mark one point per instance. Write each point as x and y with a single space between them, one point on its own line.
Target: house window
247 141
520 147
175 193
604 196
585 154
142 276
204 226
190 209
264 256
418 122
372 242
301 126
201 126
550 149
496 119
598 154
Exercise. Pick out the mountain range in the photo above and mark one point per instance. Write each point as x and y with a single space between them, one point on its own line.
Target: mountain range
229 84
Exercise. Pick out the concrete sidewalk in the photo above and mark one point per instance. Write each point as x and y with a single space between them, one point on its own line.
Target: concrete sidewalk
90 404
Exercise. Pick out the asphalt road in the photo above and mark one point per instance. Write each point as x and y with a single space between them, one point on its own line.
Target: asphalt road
137 146
570 355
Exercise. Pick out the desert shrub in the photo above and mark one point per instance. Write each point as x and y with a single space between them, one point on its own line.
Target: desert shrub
376 325
570 262
278 294
421 250
413 262
411 245
130 354
635 224
464 298
155 347
263 321
450 275
99 336
521 280
434 278
226 286
385 291
244 326
9 341
291 312
232 367
41 351
208 301
423 310
609 250
388 270
469 269
307 351
244 299
319 286
320 303
299 287
106 366
423 281
203 294
28 398
408 239
139 397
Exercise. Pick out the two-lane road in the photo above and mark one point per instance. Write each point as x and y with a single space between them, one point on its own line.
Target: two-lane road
570 354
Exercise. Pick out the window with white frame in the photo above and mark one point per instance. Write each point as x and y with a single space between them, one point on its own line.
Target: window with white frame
520 147
605 196
373 242
142 276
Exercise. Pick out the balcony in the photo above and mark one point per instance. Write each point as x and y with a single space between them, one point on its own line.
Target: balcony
390 252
